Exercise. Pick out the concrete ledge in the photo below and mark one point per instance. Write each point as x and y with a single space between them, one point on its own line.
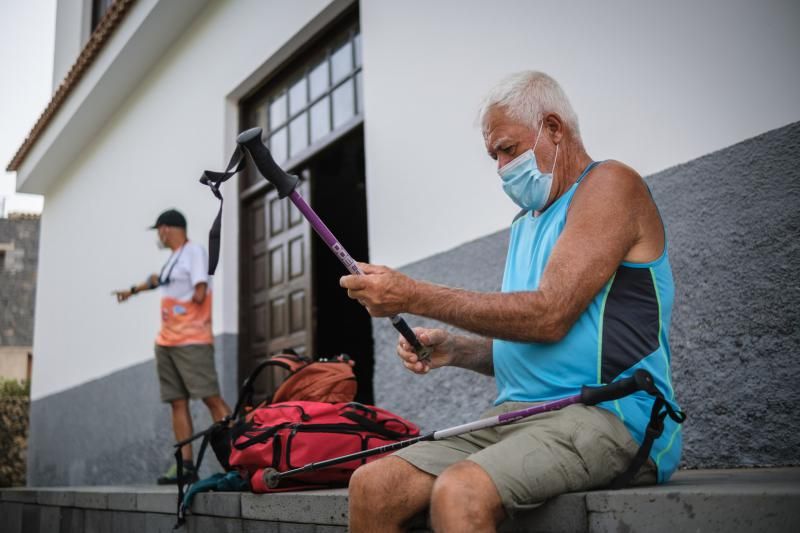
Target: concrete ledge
704 500
324 507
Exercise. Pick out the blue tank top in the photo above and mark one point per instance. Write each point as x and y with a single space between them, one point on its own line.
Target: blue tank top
624 328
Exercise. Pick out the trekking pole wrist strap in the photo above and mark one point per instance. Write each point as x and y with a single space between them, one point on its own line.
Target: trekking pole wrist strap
641 380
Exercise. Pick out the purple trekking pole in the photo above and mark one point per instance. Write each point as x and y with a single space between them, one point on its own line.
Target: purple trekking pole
641 380
286 185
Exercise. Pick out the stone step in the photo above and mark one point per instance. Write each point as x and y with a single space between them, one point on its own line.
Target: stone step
700 500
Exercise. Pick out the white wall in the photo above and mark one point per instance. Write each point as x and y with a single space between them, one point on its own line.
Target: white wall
148 157
73 25
654 84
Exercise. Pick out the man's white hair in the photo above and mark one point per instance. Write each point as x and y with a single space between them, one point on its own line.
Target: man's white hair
527 97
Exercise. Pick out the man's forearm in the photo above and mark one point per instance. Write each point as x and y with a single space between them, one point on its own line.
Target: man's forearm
149 284
518 316
472 353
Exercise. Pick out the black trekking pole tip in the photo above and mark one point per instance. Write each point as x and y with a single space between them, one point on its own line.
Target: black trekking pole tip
271 477
248 135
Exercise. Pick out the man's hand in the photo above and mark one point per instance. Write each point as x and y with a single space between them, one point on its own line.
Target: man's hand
122 295
383 291
438 339
199 294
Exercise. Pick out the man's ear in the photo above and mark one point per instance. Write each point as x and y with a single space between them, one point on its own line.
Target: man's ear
554 127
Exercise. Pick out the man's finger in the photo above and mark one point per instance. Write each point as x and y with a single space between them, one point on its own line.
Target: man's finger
353 282
367 268
355 294
417 368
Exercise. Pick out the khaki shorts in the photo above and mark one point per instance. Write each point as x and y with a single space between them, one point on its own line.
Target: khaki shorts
186 371
575 449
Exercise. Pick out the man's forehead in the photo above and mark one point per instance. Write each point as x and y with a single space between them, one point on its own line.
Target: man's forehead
499 123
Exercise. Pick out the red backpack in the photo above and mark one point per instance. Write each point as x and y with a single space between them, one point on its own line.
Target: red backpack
321 422
288 435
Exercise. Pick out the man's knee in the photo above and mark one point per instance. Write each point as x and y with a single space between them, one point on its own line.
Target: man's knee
466 487
373 481
390 484
213 401
179 404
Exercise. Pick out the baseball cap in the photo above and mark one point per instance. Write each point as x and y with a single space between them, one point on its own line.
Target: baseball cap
170 217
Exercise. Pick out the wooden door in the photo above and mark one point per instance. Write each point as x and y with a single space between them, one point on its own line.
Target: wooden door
277 269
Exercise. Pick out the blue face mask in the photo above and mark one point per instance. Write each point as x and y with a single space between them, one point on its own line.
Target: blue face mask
524 183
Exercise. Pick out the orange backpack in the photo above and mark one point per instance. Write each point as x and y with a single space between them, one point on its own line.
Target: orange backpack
323 380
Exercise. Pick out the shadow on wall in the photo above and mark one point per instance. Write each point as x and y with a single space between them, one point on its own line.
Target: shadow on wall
733 227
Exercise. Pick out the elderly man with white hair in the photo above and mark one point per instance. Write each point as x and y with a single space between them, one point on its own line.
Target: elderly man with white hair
586 299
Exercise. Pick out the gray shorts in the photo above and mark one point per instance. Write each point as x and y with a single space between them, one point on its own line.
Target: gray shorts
575 449
186 371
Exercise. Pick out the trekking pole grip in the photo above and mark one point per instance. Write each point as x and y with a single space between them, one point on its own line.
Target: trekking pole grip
640 380
284 182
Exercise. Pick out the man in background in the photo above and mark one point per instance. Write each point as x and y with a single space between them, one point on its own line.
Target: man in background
184 346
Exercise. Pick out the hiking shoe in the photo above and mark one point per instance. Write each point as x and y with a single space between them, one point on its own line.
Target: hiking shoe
170 477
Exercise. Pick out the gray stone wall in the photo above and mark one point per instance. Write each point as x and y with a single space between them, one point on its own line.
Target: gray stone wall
733 225
115 430
19 253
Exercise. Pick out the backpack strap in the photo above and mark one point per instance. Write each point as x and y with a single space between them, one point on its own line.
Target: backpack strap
206 434
289 361
375 427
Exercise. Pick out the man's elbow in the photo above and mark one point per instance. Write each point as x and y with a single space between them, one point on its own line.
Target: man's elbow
554 329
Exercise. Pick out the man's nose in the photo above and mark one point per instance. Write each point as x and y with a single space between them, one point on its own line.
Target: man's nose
503 160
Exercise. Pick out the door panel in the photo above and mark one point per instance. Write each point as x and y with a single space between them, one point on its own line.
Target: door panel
290 277
276 294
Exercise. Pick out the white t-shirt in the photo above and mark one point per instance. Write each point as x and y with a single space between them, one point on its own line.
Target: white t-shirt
185 268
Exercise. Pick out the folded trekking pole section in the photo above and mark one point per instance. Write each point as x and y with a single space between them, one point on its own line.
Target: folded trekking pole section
250 142
641 380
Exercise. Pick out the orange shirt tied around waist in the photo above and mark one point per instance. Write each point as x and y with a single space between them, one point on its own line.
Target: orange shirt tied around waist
182 320
185 322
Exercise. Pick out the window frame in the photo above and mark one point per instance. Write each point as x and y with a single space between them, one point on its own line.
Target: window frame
256 108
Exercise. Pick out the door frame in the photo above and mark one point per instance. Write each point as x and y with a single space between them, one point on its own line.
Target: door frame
335 20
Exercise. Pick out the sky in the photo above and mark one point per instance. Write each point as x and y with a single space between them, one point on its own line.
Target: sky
26 70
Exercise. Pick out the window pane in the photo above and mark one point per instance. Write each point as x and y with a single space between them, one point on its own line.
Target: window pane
277 145
319 79
298 134
342 62
297 96
277 112
320 119
357 44
359 94
343 103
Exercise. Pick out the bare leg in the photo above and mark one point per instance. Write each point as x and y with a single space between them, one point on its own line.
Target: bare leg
386 494
219 409
465 499
182 425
